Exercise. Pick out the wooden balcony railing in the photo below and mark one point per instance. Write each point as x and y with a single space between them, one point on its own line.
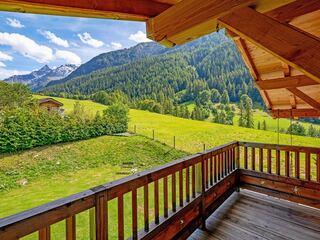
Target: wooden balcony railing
288 172
195 186
171 201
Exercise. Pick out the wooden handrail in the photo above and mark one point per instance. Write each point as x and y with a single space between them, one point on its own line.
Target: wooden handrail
198 184
36 219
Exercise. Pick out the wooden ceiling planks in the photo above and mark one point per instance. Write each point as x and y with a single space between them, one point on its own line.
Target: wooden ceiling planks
134 10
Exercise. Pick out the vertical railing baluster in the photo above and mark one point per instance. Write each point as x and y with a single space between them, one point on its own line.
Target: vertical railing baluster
297 165
71 228
253 159
101 216
261 159
215 162
45 233
211 169
120 218
134 215
318 167
203 190
165 196
278 162
206 168
173 190
238 157
181 188
225 157
307 167
193 181
156 201
245 157
269 153
287 163
188 184
146 206
219 166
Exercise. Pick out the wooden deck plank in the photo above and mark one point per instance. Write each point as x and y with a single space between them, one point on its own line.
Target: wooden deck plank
250 215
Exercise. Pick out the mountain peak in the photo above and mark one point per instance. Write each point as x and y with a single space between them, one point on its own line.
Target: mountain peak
40 78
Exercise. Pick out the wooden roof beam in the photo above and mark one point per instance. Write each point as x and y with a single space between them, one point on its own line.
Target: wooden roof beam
295 113
242 46
286 82
304 97
136 10
295 9
189 19
295 48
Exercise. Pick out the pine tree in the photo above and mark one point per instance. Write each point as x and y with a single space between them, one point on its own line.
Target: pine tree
264 125
246 114
259 126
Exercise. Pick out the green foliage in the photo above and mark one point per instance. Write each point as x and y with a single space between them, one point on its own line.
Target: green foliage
25 128
296 129
225 97
199 113
204 98
14 95
223 114
149 71
246 114
264 125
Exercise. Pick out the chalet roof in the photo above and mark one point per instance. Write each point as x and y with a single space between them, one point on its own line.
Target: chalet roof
278 39
45 100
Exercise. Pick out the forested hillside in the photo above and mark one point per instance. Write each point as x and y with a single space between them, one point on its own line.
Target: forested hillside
150 71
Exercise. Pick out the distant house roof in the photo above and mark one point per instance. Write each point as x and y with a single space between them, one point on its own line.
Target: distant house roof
45 100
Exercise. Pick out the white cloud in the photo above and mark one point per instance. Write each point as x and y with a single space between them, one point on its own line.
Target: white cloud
14 23
87 39
116 45
27 47
5 57
5 73
54 39
139 37
68 56
2 64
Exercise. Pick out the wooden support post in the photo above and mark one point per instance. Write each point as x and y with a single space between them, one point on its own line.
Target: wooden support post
101 217
71 228
45 233
203 190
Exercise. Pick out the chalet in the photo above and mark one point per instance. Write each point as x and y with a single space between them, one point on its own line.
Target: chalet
233 191
51 105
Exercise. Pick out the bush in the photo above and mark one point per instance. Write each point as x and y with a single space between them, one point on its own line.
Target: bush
25 128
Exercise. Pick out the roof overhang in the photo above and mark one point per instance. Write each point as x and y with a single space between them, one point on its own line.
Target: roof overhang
278 39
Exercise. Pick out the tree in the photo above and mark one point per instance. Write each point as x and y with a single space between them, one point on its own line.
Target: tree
215 96
14 95
259 126
312 131
204 98
246 114
225 97
264 125
296 129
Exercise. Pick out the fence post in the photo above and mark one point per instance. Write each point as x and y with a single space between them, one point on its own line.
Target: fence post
153 134
174 142
135 128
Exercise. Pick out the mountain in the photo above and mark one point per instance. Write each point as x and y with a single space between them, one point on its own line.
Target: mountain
115 58
151 71
40 78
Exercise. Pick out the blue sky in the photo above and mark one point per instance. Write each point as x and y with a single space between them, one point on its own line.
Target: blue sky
28 41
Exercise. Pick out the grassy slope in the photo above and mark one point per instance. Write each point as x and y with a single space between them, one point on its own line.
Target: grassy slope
63 169
85 164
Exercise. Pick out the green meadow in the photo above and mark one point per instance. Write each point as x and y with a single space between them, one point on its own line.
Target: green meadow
43 174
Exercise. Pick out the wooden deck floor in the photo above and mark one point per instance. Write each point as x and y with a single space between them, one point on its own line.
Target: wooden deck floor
249 215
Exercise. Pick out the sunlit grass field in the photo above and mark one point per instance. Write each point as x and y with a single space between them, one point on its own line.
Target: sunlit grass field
64 169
